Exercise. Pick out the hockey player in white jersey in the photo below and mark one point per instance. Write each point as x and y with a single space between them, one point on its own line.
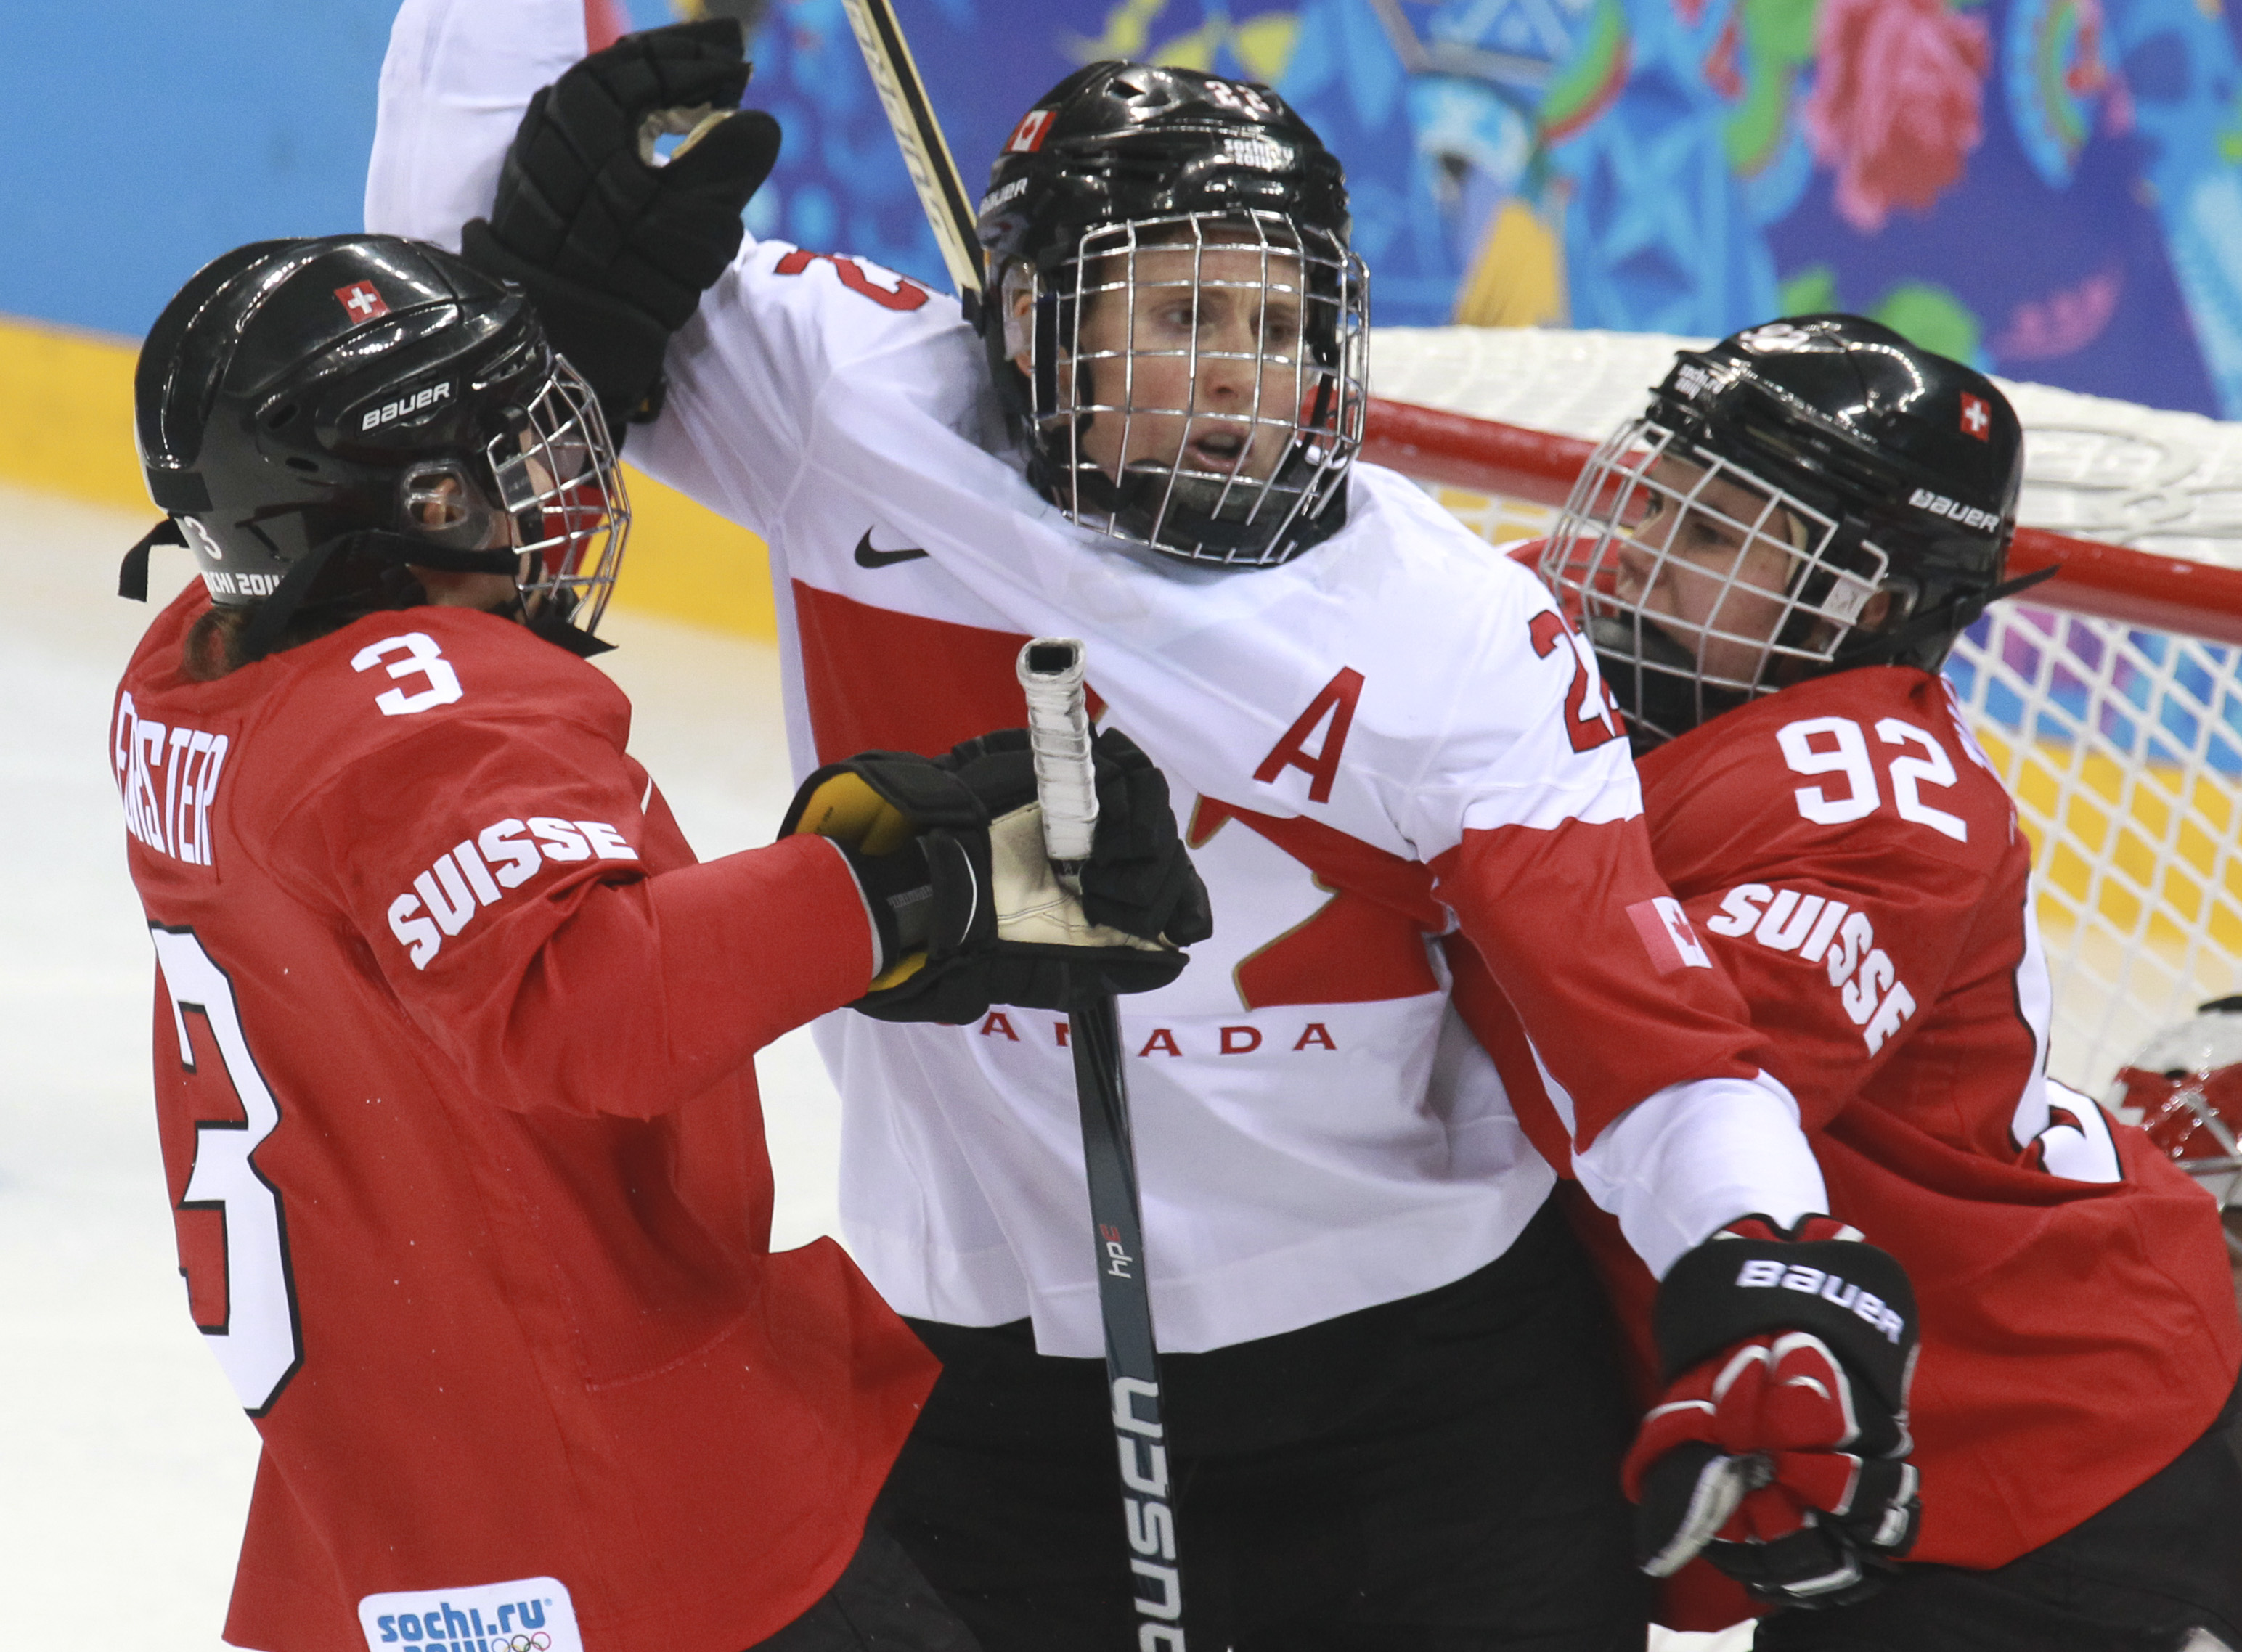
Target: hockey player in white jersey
1395 1420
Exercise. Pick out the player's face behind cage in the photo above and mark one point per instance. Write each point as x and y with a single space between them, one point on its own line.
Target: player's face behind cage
547 485
1699 584
1197 381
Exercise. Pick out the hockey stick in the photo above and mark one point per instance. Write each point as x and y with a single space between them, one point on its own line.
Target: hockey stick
918 134
1058 733
1051 672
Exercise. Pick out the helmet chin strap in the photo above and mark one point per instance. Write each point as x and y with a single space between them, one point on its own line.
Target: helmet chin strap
132 572
1949 619
1662 704
1659 704
397 550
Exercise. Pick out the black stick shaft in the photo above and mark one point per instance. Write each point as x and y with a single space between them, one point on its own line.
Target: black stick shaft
1051 672
1132 1364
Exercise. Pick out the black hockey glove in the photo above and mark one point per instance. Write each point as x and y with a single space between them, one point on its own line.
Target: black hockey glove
1781 1447
613 249
1137 878
949 853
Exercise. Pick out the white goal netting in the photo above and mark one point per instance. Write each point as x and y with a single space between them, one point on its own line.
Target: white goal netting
2122 745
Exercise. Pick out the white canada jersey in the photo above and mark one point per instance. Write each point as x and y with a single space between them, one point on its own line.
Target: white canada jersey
1390 739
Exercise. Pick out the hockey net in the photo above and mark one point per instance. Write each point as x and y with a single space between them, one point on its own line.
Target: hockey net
2109 701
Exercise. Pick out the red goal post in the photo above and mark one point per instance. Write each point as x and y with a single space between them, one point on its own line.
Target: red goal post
2110 701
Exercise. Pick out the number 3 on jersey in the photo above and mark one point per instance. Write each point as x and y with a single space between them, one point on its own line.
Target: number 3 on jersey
238 1286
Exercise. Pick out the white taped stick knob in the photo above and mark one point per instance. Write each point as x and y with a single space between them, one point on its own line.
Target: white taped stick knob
1059 734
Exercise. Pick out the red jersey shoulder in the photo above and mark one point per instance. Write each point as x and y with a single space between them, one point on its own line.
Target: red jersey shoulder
188 754
1872 760
387 673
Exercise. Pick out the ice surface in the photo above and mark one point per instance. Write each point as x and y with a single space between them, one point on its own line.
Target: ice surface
124 1463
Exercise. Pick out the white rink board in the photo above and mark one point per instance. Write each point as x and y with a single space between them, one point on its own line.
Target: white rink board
125 1462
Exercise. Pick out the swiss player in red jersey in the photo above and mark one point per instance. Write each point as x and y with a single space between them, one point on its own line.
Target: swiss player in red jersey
454 1037
1771 564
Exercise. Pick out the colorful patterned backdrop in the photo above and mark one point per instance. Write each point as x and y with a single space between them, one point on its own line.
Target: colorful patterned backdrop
2052 189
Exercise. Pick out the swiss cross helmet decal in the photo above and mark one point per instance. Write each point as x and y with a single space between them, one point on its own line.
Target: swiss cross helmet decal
362 301
1977 418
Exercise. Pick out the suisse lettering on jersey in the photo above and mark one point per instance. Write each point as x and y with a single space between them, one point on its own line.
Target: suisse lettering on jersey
1822 931
529 1615
482 870
168 777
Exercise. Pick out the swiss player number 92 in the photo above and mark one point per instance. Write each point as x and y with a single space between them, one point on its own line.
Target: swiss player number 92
1836 747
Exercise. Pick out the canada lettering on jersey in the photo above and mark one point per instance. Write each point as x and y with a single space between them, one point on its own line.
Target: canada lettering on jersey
168 777
480 871
1822 931
1238 1040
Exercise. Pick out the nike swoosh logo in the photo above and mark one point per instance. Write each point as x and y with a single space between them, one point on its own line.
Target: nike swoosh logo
868 557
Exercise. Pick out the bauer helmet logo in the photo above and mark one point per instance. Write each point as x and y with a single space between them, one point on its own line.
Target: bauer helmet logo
1968 515
1028 137
361 301
1977 418
412 402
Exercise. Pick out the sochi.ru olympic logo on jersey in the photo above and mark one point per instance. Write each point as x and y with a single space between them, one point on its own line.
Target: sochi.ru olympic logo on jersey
529 1615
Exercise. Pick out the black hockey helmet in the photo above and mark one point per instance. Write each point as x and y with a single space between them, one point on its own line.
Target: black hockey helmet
315 414
1873 465
1122 157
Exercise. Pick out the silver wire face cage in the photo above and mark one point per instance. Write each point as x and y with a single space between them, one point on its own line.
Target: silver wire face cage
552 481
1231 436
1664 555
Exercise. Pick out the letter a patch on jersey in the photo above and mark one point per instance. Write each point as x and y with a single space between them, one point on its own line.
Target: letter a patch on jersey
1334 701
1667 935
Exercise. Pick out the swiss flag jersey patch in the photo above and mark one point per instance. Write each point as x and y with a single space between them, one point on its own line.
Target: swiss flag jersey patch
362 301
1667 935
1028 137
1977 418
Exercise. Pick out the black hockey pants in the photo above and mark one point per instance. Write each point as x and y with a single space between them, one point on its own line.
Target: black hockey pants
1434 1474
879 1603
2151 1572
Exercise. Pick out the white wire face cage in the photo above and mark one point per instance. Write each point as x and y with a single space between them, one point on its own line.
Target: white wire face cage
1198 381
1714 585
550 487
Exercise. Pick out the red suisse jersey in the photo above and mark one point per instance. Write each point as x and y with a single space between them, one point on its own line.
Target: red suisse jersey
454 1080
1848 854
